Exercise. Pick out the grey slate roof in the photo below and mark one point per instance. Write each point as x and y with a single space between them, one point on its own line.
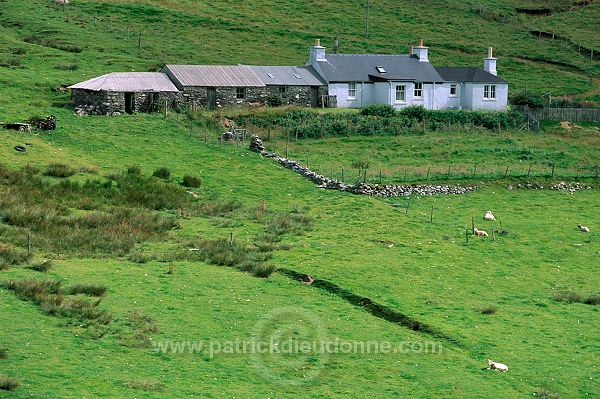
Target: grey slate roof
214 75
288 75
129 81
358 67
468 74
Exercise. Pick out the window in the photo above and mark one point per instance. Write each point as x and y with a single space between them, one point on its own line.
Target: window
271 75
297 76
453 90
282 89
419 90
240 93
489 92
400 94
380 69
352 90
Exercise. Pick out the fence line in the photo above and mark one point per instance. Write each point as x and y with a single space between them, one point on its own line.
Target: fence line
563 114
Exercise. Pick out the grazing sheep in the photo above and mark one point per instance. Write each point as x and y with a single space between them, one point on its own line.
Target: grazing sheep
583 228
62 2
479 233
489 216
492 365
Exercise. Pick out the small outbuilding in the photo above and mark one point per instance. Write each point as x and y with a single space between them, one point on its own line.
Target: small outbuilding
123 92
215 86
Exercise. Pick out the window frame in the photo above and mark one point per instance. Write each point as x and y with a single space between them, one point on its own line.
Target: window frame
453 87
240 93
403 91
351 90
282 90
418 89
489 92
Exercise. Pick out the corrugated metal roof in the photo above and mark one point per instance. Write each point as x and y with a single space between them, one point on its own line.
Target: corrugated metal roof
129 81
468 74
214 75
288 76
358 67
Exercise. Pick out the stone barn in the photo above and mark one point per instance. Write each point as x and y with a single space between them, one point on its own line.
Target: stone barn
294 85
123 92
215 86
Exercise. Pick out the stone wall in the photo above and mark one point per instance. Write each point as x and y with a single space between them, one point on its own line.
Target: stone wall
293 95
88 102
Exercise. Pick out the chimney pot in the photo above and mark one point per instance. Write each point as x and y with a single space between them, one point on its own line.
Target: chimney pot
490 52
421 43
317 42
412 50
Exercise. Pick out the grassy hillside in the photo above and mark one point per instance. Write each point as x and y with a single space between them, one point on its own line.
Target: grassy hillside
383 274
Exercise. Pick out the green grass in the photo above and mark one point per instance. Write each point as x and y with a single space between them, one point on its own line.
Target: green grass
478 300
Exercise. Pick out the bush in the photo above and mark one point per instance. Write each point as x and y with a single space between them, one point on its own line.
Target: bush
8 384
361 164
43 266
162 173
533 100
59 170
191 181
382 110
288 223
415 112
87 289
274 101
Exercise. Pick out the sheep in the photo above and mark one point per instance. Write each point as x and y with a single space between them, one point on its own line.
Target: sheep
489 216
583 228
479 233
492 365
62 2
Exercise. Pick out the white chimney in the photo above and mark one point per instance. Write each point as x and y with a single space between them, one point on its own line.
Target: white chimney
421 52
316 52
489 63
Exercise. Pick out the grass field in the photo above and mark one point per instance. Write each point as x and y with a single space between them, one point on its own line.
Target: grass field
383 274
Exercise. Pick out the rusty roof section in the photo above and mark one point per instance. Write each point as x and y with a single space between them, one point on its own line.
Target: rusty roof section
214 75
129 81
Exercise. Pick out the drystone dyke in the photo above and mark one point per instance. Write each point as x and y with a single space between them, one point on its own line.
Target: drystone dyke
571 187
321 181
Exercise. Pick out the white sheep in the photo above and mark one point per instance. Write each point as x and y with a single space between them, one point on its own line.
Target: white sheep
497 366
583 228
479 233
62 2
489 216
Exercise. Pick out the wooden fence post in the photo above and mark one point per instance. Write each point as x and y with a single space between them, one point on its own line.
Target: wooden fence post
431 215
408 205
474 170
506 172
552 174
342 174
472 225
428 170
529 170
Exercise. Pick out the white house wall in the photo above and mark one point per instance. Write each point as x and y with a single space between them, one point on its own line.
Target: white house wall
474 97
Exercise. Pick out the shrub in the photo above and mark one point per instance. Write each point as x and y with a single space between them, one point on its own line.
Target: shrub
8 384
30 169
191 181
274 101
383 110
59 170
42 266
263 270
415 112
288 223
87 289
533 100
162 173
361 164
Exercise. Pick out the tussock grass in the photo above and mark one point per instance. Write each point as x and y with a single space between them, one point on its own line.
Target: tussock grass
59 170
87 289
217 207
162 173
191 181
487 310
288 223
53 43
42 266
49 296
545 394
570 296
3 353
145 385
8 384
11 255
139 326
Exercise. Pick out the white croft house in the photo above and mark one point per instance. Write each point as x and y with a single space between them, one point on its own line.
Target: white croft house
358 80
